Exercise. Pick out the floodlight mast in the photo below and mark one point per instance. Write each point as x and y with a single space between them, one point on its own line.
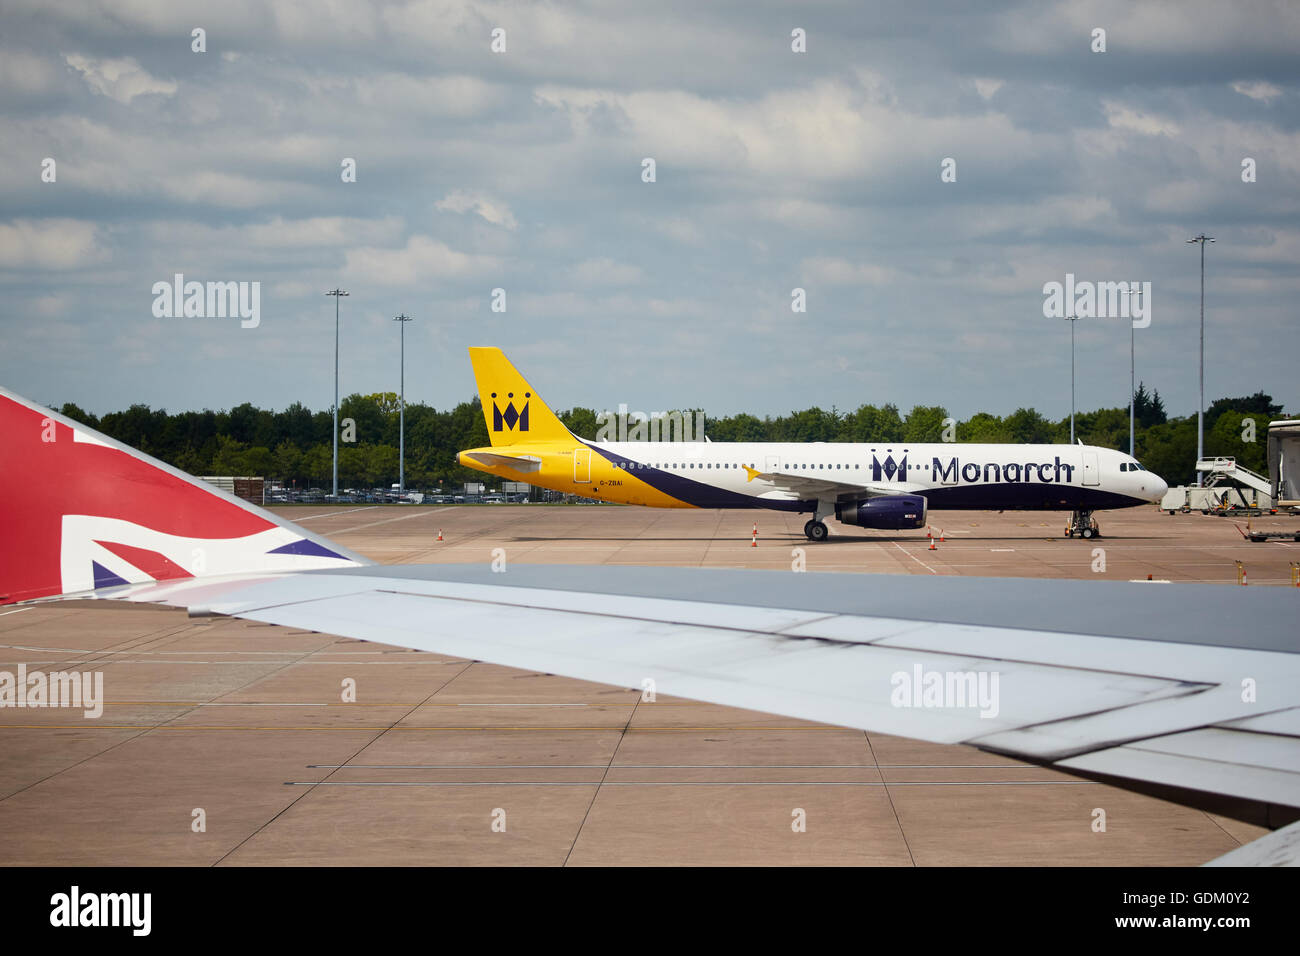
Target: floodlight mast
401 413
338 294
1202 239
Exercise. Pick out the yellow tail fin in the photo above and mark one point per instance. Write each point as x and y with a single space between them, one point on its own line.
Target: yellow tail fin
513 410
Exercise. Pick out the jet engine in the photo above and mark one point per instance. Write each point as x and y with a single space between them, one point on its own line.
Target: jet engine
884 513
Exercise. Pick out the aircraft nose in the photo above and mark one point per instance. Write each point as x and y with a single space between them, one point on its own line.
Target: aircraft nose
1159 488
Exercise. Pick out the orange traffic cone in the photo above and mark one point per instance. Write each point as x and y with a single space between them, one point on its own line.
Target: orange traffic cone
754 544
439 534
932 545
755 529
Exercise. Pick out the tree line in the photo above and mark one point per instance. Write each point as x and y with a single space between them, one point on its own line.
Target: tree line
295 445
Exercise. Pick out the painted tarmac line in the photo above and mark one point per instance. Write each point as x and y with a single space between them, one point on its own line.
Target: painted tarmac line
446 728
915 558
326 514
402 517
623 704
674 766
694 783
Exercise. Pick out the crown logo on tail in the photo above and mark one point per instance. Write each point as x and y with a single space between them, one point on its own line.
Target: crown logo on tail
506 421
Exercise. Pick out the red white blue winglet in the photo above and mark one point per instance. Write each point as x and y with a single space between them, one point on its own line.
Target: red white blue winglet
80 511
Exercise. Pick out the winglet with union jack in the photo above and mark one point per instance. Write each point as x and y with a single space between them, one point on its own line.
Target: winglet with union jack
80 511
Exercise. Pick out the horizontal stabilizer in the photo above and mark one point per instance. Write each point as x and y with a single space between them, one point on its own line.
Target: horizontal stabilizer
522 463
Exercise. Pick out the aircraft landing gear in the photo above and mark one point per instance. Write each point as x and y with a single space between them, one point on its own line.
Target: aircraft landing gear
816 530
1083 525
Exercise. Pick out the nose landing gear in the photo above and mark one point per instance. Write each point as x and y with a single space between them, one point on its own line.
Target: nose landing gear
1083 525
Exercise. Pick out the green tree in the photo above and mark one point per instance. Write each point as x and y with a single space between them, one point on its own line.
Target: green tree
76 413
1170 450
258 462
229 459
924 423
1028 426
367 411
1148 409
1229 437
287 460
742 427
381 465
581 421
317 464
1259 403
983 427
871 423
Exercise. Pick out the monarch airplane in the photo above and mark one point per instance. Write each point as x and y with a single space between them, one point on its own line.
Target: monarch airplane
1141 686
879 485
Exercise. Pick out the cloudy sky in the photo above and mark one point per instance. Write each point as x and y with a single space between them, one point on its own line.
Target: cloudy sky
523 170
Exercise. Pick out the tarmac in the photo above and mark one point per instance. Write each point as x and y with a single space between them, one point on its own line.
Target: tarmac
224 742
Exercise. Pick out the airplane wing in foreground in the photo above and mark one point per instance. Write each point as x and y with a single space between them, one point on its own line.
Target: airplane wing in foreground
1156 687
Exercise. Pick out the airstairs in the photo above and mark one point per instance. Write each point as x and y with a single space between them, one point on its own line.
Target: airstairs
1220 469
1226 474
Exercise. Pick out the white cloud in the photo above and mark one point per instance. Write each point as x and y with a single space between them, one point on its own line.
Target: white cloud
491 210
49 244
280 233
604 271
120 79
836 271
1260 90
986 88
422 259
1149 124
678 228
24 73
829 131
460 96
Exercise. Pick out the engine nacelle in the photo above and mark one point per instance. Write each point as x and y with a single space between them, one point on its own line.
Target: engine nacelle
884 513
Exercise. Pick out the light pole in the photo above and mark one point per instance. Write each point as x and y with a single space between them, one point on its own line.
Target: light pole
1072 319
401 413
338 294
1200 409
1132 381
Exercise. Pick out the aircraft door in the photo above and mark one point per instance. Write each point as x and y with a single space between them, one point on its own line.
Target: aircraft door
1091 473
772 464
582 465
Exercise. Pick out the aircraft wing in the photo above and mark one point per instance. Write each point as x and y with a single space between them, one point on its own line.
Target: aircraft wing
807 487
1187 691
1156 687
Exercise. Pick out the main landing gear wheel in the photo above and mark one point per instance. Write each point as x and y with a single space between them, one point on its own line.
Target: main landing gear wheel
816 530
1083 525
